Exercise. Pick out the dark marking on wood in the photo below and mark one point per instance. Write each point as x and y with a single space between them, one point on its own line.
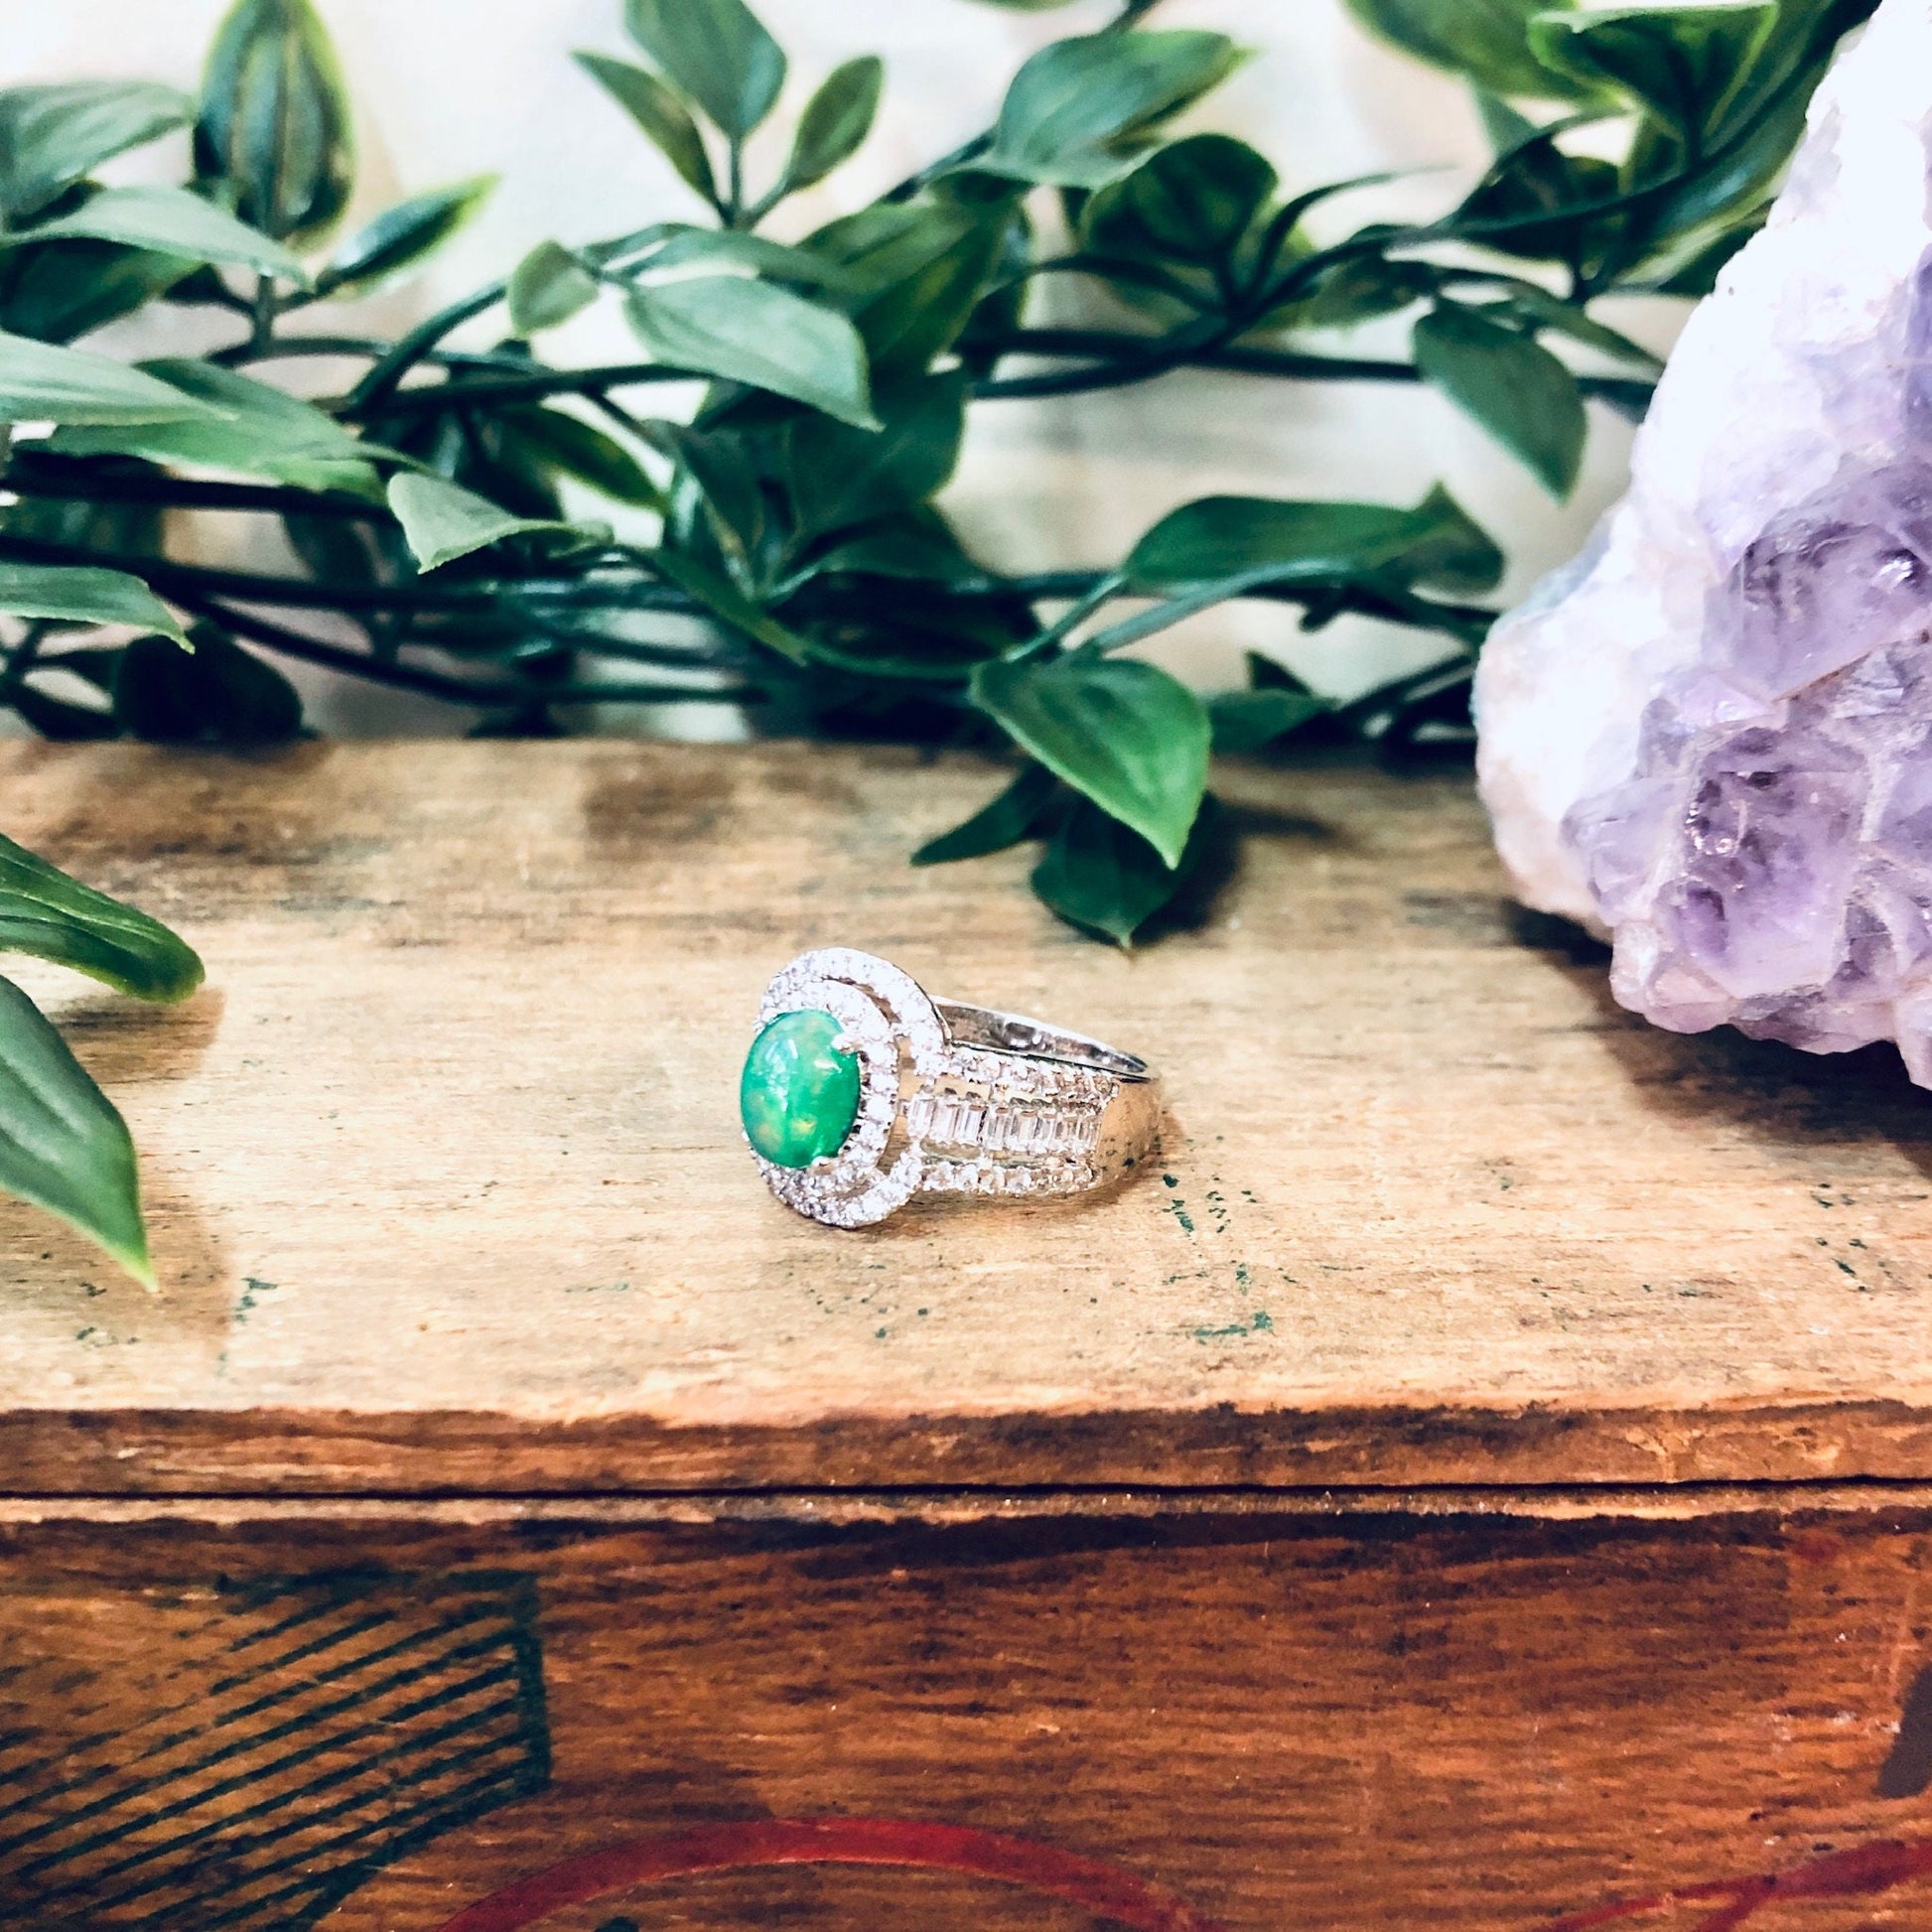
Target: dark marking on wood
261 1751
1909 1770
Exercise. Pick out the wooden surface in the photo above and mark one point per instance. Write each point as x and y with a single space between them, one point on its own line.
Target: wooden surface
1247 1721
449 1194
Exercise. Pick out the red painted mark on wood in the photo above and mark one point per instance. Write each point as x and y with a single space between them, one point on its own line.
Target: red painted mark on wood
1838 1875
1102 1889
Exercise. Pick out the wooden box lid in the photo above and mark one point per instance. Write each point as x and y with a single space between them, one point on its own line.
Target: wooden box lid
449 1194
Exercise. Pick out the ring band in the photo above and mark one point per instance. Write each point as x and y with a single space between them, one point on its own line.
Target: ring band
862 1090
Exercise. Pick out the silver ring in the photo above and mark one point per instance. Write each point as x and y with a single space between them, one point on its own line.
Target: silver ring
862 1090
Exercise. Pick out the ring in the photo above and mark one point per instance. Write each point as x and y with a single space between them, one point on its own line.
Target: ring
862 1090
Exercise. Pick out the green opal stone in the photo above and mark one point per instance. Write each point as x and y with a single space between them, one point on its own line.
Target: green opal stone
798 1096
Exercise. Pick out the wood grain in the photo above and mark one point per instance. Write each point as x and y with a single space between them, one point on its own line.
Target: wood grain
449 1195
1349 1725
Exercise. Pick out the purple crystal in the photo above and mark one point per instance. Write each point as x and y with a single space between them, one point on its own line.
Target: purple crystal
1771 861
1814 593
1765 859
1710 736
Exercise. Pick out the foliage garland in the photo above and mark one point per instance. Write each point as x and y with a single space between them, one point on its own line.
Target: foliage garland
795 512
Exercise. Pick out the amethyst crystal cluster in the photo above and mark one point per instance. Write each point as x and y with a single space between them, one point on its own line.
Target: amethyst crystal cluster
1711 738
1769 861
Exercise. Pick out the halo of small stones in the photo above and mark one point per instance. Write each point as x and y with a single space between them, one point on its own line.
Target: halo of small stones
1016 1126
881 1011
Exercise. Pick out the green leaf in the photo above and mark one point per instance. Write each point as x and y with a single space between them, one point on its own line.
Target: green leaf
1680 63
918 546
53 136
548 287
721 467
1231 543
170 221
1539 178
1077 108
835 121
403 236
665 119
50 915
1097 874
1730 191
1132 738
69 289
576 448
218 693
1513 386
84 595
247 425
62 1145
1504 127
275 125
1486 40
716 53
1357 289
684 246
442 522
1541 309
837 476
1447 549
39 381
1246 720
1016 813
916 271
756 334
1191 200
1697 275
724 602
1763 120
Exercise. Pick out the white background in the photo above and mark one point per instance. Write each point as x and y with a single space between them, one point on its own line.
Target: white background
447 89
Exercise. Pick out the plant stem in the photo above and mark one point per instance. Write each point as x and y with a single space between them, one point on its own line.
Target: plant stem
21 660
179 493
377 387
1107 586
263 311
192 584
186 581
467 392
1120 359
441 684
285 348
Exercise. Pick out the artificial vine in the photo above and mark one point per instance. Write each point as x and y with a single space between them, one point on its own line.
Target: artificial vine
436 499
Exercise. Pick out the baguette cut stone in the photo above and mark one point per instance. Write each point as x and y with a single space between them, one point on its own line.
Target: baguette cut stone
800 1094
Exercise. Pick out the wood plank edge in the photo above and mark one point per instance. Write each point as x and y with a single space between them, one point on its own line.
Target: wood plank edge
447 1454
1574 1503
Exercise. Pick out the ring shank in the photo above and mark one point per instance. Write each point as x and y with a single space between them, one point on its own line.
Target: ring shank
1033 1039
